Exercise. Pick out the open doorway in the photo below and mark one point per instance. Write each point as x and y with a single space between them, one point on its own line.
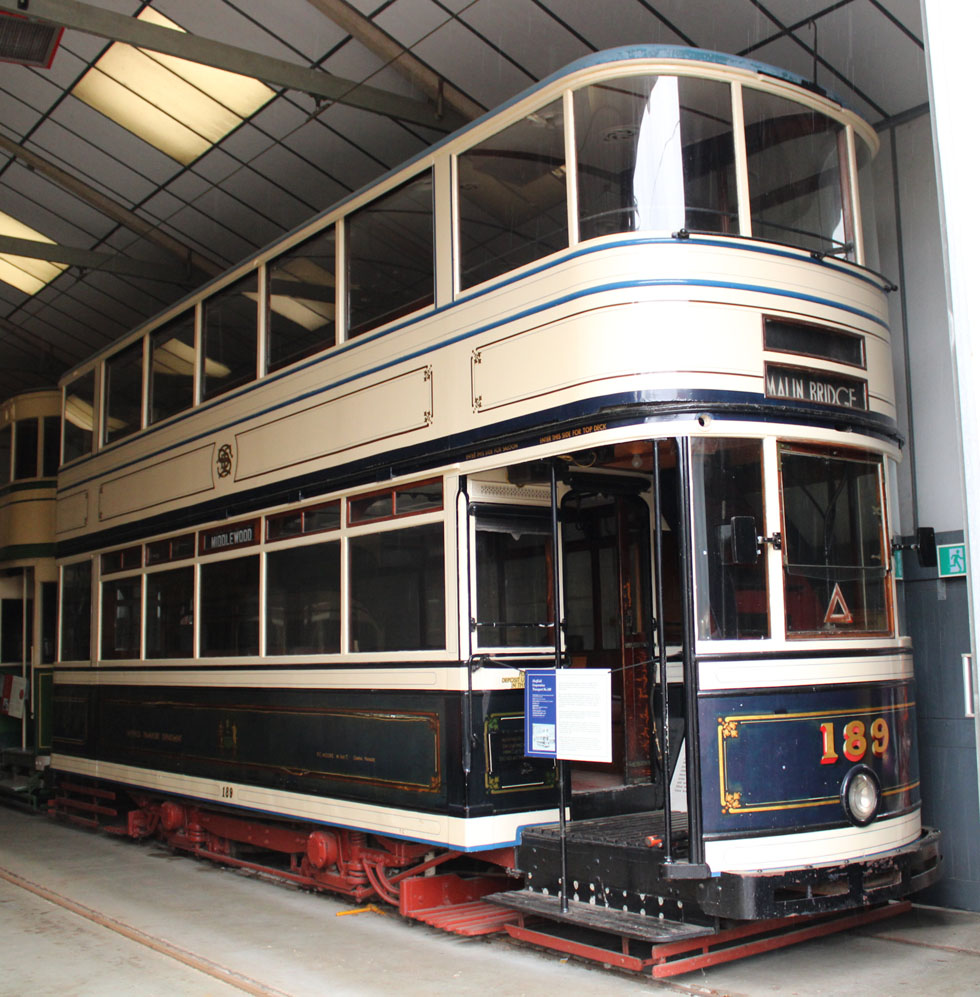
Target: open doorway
608 549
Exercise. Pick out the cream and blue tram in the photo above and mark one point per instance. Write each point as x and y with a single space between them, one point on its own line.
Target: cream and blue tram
602 380
30 437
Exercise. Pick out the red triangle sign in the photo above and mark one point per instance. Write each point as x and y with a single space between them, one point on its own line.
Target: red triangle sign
837 611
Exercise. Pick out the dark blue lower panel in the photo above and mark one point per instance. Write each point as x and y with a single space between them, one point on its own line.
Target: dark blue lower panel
775 761
399 749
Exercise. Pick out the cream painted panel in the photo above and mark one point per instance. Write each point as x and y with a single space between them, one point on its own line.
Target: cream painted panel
462 833
72 512
177 477
819 848
638 339
378 412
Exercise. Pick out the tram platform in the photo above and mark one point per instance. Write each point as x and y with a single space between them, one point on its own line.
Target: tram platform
89 914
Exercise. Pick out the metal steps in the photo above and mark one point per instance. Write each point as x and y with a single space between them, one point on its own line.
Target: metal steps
478 917
624 924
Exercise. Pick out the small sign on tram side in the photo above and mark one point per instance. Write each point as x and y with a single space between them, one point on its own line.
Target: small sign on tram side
568 714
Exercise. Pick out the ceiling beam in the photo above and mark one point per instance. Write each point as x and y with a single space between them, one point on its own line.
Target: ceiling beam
107 206
184 45
395 55
86 259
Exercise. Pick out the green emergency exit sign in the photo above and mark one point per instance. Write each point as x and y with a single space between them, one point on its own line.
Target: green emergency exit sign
952 560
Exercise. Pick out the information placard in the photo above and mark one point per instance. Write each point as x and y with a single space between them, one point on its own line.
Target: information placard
568 714
540 719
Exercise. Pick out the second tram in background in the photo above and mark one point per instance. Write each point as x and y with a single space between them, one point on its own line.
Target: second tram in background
30 438
606 376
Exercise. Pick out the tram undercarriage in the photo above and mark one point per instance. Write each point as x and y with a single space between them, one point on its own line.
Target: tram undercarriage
629 909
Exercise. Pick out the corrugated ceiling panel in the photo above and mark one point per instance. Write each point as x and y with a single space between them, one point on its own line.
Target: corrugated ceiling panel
537 42
456 53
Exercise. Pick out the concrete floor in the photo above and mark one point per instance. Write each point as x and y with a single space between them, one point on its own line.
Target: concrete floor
141 921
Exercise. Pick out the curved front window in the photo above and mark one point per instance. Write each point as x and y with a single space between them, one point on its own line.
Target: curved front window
831 541
797 162
655 153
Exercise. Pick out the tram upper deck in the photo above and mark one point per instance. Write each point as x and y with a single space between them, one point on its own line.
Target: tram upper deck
651 230
30 426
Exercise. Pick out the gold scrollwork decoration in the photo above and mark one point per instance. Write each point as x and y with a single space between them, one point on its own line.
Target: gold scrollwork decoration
727 727
732 804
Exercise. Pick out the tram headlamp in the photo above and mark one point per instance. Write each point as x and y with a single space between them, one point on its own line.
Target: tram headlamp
860 795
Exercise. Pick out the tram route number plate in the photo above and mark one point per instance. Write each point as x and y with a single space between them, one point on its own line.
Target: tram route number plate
820 387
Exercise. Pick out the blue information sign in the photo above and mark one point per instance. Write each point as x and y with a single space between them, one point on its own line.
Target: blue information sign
541 713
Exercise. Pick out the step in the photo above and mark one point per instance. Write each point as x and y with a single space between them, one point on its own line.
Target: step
478 917
600 918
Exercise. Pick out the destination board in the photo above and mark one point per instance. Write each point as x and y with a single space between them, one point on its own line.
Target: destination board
819 387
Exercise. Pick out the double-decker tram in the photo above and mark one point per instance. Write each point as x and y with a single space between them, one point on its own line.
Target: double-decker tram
604 379
30 437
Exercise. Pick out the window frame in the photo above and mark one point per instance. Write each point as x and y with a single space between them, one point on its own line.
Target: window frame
135 561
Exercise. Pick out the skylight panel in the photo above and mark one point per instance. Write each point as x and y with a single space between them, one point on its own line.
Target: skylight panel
26 274
182 108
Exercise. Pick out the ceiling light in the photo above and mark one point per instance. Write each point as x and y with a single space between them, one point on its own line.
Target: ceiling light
182 108
23 272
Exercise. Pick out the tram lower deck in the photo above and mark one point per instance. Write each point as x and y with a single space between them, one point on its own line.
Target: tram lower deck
762 757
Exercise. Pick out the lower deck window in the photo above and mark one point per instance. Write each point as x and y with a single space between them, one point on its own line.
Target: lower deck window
303 600
513 578
397 590
76 612
121 617
170 613
834 543
732 599
230 607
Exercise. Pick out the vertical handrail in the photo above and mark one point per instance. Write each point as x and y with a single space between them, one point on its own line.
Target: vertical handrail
556 631
692 734
658 580
463 513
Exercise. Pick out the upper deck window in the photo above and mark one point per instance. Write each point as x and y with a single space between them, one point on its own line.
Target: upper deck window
5 437
797 162
869 228
301 304
25 449
172 367
655 153
79 417
229 337
51 439
390 256
123 392
512 197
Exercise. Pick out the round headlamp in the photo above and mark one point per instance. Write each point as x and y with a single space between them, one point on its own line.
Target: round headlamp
860 795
